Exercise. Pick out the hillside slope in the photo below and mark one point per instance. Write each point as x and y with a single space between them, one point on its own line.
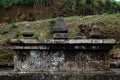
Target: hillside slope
109 24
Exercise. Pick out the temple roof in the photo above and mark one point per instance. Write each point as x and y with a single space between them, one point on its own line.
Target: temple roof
60 26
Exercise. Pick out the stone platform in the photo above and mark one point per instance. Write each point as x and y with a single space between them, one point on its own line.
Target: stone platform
76 55
11 75
83 58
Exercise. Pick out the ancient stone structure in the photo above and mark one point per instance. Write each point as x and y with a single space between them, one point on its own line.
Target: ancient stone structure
60 30
62 54
95 32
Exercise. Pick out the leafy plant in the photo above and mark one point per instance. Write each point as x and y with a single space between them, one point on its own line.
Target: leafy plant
36 35
18 34
4 32
52 23
117 15
13 25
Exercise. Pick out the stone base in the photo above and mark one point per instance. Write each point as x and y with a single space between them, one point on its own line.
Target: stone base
57 76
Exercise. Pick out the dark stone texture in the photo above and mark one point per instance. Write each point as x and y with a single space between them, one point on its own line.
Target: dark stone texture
6 65
60 30
60 26
96 33
27 34
61 76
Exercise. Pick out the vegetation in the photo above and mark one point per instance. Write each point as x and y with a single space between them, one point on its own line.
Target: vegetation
6 55
13 25
18 34
4 32
89 7
109 23
52 23
69 7
36 35
9 3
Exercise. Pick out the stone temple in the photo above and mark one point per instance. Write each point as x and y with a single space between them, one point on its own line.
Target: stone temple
61 54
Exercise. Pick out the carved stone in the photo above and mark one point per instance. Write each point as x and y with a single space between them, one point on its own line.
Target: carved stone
60 30
95 32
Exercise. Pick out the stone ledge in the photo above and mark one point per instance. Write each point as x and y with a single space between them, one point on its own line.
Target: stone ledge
57 76
71 41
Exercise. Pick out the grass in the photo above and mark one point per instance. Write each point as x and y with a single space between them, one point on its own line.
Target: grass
36 35
13 25
107 23
4 32
6 55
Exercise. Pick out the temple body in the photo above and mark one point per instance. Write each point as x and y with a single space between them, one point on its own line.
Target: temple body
62 54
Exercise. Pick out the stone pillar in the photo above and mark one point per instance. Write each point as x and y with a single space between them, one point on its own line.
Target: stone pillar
17 61
21 60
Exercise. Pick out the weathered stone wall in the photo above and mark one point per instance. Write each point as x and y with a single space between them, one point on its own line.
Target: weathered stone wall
62 76
70 61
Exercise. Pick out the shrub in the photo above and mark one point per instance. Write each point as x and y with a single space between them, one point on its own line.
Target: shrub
18 34
9 3
36 35
4 32
6 55
118 15
52 23
13 25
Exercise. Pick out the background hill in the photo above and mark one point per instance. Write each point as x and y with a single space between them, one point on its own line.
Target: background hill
22 10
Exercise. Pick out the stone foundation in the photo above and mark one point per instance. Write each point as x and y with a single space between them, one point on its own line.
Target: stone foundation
61 54
56 76
74 61
84 55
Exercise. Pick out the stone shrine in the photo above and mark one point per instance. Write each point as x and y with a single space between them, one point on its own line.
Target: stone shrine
61 54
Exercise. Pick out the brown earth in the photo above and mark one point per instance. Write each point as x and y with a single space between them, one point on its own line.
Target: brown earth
23 13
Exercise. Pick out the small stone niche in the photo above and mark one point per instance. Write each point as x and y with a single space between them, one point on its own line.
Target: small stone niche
27 34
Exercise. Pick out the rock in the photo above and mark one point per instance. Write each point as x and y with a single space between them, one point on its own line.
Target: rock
82 32
60 30
13 41
6 65
60 26
22 17
27 34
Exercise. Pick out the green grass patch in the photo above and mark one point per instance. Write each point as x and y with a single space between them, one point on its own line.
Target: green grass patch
36 35
13 25
4 32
